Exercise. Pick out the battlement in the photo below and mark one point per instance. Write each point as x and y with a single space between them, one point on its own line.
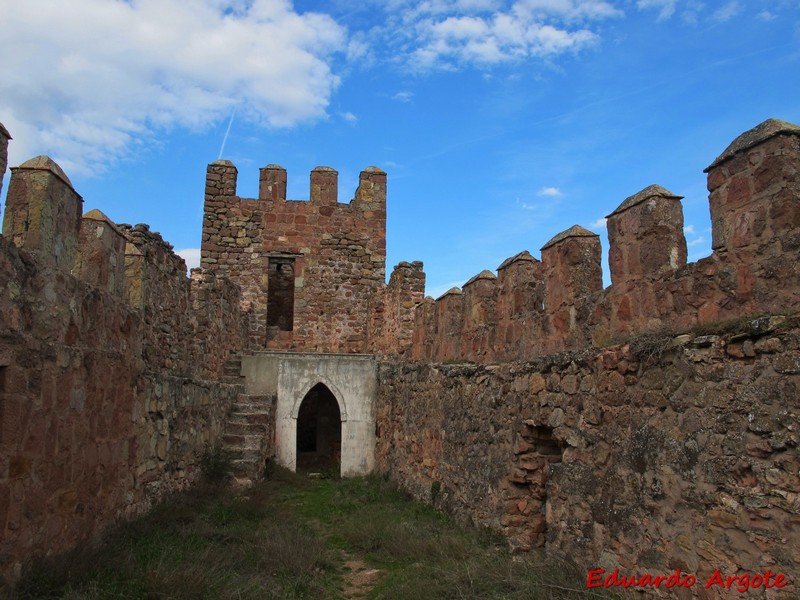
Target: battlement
132 265
534 308
311 272
222 176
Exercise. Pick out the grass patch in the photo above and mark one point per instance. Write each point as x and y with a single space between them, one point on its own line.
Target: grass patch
289 538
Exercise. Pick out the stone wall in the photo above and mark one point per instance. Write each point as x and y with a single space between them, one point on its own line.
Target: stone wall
664 453
4 137
110 368
333 256
670 451
392 316
534 308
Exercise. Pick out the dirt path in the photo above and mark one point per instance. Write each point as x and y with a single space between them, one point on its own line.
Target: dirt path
359 579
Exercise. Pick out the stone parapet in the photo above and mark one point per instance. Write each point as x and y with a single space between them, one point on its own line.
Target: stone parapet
663 453
324 259
43 212
559 304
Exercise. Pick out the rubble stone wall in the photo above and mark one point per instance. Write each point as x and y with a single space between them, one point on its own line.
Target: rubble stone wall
110 368
664 453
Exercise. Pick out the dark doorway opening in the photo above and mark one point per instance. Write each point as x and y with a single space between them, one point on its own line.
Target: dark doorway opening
319 432
280 294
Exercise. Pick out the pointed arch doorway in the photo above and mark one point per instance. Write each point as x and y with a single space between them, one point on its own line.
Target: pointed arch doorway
319 432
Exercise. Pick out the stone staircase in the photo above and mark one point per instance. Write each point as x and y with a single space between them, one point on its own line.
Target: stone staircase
249 431
247 437
232 369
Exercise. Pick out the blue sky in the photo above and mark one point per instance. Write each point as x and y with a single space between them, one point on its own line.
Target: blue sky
499 122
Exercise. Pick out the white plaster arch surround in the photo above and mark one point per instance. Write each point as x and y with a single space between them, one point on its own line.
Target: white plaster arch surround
351 378
340 400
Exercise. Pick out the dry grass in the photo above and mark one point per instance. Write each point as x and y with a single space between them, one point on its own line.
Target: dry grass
290 538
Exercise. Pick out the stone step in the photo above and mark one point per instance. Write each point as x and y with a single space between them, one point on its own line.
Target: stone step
246 430
234 440
246 454
257 398
250 408
248 400
261 418
243 426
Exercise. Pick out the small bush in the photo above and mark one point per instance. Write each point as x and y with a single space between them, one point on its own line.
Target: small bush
649 348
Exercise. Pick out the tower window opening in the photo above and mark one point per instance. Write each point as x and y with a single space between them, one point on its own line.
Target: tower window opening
280 293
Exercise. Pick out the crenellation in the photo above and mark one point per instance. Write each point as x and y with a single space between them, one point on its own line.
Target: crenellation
100 259
114 368
221 176
324 186
572 273
43 212
753 188
335 252
645 235
559 303
370 195
520 305
425 329
272 183
393 318
450 322
479 315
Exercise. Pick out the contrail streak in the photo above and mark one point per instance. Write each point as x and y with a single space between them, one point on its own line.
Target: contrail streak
225 139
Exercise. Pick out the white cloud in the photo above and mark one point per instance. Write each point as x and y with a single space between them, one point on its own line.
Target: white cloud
688 229
550 191
437 290
191 256
349 117
599 224
446 34
696 241
92 79
765 15
666 8
403 96
727 12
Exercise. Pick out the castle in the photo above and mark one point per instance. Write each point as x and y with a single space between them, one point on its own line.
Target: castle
648 425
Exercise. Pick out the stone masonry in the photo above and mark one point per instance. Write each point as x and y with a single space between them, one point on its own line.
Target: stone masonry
648 426
110 368
333 254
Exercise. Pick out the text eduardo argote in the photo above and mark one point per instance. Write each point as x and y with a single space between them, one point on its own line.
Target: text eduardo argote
598 578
